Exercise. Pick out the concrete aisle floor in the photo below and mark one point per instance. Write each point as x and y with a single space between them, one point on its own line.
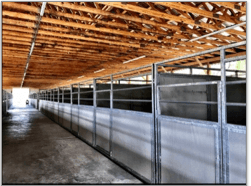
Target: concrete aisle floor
37 150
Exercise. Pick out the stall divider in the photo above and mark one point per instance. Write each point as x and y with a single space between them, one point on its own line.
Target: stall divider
221 128
111 118
94 112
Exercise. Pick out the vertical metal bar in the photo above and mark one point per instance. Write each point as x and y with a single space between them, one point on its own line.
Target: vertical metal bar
191 70
58 95
71 94
62 94
38 96
223 112
53 95
111 118
153 126
78 104
79 94
236 73
58 105
71 86
219 158
157 142
94 113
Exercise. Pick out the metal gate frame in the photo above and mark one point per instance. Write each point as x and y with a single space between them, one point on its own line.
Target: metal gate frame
224 174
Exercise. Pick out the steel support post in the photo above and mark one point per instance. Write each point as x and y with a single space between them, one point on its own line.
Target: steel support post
71 94
111 118
71 86
58 105
156 130
153 133
94 113
58 95
223 113
53 95
62 94
79 94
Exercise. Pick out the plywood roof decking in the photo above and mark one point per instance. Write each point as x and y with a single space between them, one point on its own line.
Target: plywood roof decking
78 39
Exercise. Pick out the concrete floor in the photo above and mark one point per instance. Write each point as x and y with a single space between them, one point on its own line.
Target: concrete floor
37 150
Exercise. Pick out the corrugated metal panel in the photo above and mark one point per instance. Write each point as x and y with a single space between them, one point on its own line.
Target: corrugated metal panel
131 141
74 118
237 157
86 123
103 128
188 152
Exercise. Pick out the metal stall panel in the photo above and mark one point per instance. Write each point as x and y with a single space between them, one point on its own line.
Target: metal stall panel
60 113
35 103
51 110
74 118
189 151
103 128
131 143
86 122
46 108
43 107
235 154
67 116
40 105
4 107
56 112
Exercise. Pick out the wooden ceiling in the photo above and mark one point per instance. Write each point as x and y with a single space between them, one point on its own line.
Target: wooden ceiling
83 40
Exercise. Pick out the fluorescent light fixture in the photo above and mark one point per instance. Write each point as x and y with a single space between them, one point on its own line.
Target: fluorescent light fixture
42 9
32 47
99 70
81 76
133 59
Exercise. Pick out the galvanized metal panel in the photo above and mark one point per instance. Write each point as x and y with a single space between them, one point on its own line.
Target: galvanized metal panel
131 143
188 152
60 113
237 157
86 123
74 118
55 112
67 116
103 128
51 110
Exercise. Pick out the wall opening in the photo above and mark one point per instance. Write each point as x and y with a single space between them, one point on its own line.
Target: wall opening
20 95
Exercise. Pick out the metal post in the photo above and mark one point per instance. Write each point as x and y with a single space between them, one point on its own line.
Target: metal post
223 112
157 132
153 126
94 113
236 73
62 94
71 94
111 118
71 86
79 94
191 70
58 95
53 95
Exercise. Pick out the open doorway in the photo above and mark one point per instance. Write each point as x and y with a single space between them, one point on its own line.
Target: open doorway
20 96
